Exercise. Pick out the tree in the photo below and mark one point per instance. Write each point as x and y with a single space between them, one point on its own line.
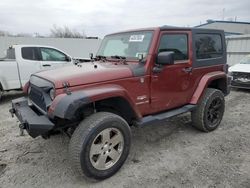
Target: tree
65 32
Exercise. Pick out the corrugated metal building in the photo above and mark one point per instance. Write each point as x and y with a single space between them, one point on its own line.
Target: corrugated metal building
230 27
237 48
79 48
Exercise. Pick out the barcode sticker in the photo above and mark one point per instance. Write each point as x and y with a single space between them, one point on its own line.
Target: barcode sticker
136 38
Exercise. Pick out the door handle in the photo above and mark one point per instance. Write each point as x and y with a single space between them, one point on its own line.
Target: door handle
187 69
157 69
46 65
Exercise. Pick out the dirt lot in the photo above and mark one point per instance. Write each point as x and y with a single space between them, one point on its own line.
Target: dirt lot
172 154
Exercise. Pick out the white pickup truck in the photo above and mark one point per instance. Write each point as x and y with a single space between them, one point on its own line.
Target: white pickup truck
23 60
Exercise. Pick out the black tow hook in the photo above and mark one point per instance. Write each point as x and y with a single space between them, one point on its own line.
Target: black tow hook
22 126
12 112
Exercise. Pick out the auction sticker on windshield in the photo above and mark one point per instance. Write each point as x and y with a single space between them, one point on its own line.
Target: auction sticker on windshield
136 38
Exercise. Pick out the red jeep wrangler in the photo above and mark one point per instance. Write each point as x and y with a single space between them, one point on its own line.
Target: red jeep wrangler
137 77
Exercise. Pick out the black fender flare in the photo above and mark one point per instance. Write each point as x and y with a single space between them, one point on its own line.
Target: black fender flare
65 106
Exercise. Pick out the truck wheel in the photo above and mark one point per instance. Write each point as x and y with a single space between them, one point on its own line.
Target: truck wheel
209 113
100 145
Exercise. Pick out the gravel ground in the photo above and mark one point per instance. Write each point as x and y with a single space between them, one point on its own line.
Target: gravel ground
171 154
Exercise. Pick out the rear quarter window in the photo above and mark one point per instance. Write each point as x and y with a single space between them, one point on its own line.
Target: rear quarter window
208 46
30 53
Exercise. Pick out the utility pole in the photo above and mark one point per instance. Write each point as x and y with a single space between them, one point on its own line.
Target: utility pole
223 14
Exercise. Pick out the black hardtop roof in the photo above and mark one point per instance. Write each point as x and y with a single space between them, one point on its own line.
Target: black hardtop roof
193 29
168 28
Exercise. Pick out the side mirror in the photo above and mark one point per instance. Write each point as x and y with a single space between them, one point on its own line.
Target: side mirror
165 58
68 58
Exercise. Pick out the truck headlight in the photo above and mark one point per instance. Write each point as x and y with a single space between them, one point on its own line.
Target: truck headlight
52 94
29 89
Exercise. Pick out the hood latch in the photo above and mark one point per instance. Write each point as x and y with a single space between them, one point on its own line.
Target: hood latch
66 88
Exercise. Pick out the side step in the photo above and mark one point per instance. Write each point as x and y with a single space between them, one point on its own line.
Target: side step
165 115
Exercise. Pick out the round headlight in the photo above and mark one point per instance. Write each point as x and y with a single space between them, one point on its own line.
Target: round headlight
52 94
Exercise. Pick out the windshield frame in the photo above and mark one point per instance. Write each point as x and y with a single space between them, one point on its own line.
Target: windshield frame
133 32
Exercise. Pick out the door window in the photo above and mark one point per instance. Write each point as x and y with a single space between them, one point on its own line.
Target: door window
177 43
49 54
30 53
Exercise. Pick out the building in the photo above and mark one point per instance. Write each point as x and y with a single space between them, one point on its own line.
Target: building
238 46
230 27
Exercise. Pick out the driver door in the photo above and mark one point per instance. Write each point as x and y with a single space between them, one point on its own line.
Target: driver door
170 87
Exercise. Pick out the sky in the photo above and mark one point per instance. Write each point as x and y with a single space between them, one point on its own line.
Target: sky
101 17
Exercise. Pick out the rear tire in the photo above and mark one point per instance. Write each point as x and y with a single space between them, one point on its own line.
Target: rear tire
209 113
100 145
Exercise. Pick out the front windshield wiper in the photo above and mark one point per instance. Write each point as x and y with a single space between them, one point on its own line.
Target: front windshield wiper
118 57
101 57
122 58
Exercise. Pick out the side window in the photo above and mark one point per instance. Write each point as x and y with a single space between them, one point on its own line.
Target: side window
30 53
49 54
208 46
178 43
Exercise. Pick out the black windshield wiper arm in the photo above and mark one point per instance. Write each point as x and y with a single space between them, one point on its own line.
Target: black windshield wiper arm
121 58
101 57
118 57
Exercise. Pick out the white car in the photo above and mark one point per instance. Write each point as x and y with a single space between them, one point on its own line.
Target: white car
240 73
23 60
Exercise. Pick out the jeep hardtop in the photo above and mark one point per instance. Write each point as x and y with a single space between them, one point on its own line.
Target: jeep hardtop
137 78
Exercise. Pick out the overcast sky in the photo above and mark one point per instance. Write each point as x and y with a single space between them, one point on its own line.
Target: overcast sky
100 17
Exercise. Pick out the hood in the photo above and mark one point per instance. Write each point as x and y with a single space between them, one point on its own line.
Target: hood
240 68
86 73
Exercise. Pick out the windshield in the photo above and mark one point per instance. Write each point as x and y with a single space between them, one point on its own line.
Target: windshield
128 45
245 60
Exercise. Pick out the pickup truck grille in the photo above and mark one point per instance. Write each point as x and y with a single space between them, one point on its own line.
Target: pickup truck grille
241 80
37 98
237 75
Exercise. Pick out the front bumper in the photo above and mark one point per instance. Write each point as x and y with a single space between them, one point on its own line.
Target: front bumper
34 123
240 84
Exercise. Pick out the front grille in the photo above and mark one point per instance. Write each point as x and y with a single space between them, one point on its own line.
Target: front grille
241 75
36 95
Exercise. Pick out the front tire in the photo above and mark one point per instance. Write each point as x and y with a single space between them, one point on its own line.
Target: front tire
209 113
100 145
